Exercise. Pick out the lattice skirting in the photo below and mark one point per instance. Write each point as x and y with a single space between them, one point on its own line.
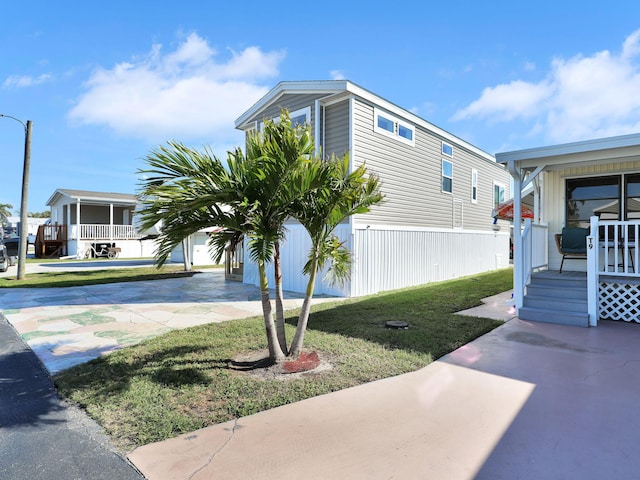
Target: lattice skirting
619 301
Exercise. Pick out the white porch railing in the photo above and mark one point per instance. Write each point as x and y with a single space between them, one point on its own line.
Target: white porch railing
105 232
617 246
612 270
535 247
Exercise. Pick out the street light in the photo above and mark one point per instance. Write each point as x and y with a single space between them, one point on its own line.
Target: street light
22 248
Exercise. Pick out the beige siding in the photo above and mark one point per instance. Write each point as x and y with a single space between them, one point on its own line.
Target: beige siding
411 178
336 121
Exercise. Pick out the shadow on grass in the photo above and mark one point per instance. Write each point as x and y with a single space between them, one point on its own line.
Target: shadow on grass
174 367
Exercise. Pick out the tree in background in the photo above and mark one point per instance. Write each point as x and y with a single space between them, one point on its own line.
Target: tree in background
5 212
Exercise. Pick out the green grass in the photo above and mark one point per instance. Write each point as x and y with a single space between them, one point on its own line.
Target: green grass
183 381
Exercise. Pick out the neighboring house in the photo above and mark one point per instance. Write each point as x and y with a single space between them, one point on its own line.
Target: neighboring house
435 223
81 218
592 184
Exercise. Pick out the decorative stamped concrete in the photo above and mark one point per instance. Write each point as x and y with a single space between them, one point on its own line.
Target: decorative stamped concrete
72 325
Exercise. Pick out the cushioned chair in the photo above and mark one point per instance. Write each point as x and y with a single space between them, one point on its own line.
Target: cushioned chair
572 244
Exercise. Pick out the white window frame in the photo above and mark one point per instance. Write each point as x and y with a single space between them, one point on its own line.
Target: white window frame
397 123
474 185
306 111
443 176
501 187
446 153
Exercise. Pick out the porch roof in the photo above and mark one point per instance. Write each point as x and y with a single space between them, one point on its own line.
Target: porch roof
97 198
598 151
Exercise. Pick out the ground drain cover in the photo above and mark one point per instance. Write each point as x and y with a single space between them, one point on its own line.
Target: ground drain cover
397 324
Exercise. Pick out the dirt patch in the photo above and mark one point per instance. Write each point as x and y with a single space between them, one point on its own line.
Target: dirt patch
257 364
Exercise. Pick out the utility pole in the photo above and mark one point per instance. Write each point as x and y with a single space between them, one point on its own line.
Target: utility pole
24 232
24 211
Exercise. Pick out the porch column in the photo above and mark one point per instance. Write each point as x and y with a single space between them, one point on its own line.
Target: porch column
592 273
78 236
518 254
111 222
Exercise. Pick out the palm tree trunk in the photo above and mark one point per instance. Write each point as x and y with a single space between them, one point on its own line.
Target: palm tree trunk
276 355
303 319
277 267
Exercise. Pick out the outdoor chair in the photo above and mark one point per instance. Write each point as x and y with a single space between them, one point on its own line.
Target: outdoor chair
572 244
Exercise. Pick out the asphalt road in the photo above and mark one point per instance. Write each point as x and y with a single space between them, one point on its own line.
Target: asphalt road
42 437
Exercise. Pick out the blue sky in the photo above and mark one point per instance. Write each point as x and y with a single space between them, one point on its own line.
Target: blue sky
105 83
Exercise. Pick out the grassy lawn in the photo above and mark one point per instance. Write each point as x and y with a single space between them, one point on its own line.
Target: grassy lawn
184 380
93 277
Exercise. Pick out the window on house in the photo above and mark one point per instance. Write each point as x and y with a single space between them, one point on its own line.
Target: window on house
393 127
447 176
298 117
447 149
632 197
474 186
498 194
586 197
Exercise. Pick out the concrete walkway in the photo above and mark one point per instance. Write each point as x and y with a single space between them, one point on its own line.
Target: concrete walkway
526 401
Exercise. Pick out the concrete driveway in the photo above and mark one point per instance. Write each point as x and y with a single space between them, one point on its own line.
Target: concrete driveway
69 326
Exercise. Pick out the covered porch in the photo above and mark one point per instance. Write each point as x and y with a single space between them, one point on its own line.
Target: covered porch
93 217
592 185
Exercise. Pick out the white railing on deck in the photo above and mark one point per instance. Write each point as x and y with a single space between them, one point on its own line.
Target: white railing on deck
618 247
108 232
535 248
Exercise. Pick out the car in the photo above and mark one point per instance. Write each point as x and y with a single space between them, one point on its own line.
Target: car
13 245
5 260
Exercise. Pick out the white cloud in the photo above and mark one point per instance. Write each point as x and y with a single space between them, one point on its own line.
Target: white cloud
183 95
581 97
337 75
22 81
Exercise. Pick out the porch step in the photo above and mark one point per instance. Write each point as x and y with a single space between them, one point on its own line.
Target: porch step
556 298
577 319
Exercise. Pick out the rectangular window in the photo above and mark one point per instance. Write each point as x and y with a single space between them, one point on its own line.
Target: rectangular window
405 132
447 149
386 124
447 176
498 194
474 186
393 127
298 117
587 197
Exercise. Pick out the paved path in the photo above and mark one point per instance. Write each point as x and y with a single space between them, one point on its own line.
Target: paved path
69 326
527 401
42 438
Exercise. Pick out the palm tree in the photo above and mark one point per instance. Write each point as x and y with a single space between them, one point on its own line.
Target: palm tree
343 194
250 198
5 212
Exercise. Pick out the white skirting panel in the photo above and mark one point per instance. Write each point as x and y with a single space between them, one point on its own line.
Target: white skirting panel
294 255
392 259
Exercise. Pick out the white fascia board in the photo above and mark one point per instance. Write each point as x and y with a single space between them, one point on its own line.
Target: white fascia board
569 151
282 88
